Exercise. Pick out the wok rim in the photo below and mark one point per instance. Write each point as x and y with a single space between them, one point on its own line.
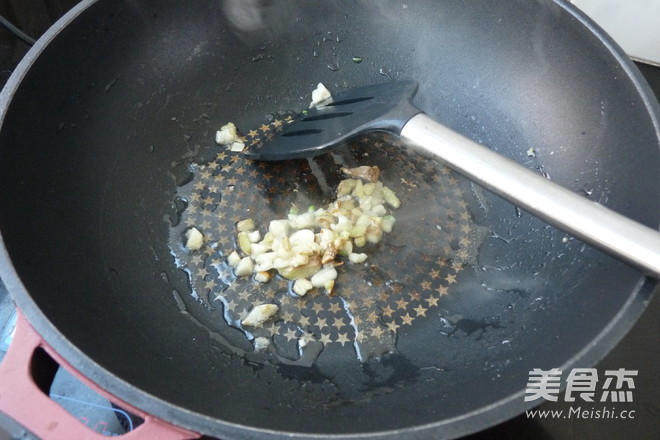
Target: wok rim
471 422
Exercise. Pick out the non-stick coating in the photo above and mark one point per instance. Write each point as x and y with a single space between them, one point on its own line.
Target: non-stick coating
108 115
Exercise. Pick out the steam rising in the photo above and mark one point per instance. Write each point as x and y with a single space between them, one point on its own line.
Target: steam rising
244 14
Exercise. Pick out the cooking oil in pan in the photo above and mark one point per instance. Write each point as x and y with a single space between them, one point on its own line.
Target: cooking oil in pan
405 277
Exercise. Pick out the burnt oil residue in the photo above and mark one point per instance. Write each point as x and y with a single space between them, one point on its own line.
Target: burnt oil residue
470 327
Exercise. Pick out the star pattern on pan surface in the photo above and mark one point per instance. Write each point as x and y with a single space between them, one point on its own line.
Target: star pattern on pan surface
405 276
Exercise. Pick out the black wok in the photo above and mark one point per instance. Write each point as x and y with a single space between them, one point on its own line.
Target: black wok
102 121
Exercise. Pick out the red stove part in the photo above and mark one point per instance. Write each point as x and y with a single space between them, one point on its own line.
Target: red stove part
23 400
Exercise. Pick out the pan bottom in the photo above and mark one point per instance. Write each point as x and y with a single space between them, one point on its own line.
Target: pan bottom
407 274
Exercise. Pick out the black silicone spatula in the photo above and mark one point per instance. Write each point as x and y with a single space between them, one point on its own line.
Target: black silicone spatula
377 107
388 107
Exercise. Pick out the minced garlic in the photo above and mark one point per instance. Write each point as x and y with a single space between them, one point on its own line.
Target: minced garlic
260 314
320 95
229 137
194 239
305 247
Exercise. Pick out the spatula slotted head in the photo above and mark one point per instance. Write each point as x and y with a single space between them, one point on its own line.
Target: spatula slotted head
384 107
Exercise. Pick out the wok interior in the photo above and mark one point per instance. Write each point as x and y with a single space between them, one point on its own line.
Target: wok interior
108 118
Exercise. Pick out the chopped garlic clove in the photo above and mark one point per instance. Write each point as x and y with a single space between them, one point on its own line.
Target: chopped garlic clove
320 278
268 239
388 223
227 134
233 259
244 243
194 239
374 234
302 221
346 249
254 236
302 237
378 210
266 257
257 249
244 268
279 228
246 225
262 277
329 255
294 273
329 287
260 314
346 187
301 286
390 197
357 258
298 260
237 146
320 95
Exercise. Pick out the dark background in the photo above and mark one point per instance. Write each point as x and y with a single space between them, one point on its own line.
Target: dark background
638 351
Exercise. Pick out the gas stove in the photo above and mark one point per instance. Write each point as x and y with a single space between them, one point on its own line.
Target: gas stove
635 352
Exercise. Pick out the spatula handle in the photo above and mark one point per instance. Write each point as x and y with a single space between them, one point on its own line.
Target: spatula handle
587 220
